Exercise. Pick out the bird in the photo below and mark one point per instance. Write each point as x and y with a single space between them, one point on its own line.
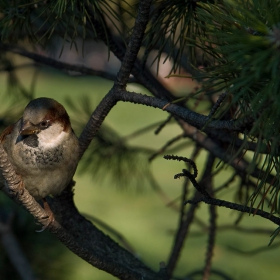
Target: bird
42 148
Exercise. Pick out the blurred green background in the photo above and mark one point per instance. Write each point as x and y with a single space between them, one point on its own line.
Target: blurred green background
137 212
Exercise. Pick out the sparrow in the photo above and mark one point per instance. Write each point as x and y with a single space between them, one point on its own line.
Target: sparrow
42 147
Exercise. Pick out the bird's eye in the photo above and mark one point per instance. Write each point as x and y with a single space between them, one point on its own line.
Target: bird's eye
44 124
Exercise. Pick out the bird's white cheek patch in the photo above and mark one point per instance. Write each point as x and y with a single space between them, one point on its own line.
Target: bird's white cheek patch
52 136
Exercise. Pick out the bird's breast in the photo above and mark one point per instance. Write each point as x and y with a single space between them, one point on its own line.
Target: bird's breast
41 158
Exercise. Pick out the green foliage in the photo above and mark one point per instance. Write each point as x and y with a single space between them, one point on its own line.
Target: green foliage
39 21
235 47
242 46
172 22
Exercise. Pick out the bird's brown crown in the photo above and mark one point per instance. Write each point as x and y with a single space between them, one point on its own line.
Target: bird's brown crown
44 108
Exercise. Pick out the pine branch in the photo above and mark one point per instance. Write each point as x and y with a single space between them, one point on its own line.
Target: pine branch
236 206
134 44
144 77
185 220
115 95
240 165
181 236
55 63
207 181
72 227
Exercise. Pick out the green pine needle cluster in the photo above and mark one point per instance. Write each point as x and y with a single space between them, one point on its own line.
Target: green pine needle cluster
234 46
40 20
241 43
172 22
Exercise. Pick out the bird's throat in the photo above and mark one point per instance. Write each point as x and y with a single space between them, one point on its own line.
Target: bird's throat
29 140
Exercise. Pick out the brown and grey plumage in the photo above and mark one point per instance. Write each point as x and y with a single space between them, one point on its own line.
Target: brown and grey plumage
42 147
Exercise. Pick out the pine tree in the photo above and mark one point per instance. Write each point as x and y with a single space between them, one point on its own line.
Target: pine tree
230 48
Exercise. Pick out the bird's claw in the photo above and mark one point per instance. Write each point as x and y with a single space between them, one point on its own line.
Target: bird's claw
50 220
49 217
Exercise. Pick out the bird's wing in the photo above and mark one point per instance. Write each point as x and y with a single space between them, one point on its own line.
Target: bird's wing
8 130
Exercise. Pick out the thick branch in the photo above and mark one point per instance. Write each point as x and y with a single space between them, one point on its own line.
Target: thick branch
104 253
134 43
108 102
96 119
193 118
97 249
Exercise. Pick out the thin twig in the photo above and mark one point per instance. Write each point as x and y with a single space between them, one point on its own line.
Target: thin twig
184 225
185 186
181 236
114 95
251 230
166 146
162 125
208 184
208 144
186 160
55 63
238 207
254 251
217 104
226 184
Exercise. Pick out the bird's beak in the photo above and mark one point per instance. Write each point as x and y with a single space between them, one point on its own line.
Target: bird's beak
28 128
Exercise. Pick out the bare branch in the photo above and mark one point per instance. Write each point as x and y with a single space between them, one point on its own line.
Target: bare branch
193 118
54 63
134 43
207 181
114 96
165 146
254 251
181 236
210 145
233 227
238 207
99 250
162 125
217 104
